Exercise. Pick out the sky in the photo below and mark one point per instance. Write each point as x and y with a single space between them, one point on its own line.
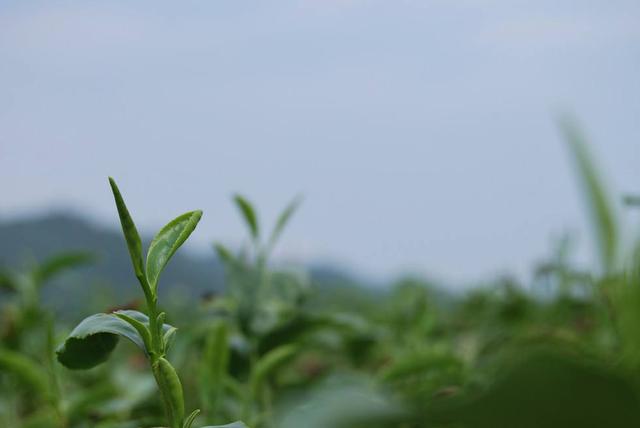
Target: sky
422 133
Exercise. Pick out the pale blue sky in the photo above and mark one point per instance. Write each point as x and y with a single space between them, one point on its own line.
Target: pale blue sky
421 132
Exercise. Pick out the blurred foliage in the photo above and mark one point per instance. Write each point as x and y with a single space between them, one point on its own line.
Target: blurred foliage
282 347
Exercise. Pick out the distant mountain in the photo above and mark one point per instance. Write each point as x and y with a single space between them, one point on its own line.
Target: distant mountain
110 279
29 240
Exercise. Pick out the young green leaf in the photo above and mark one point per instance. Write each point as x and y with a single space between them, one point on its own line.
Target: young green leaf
134 244
248 214
171 390
601 209
169 338
189 420
160 322
167 242
142 329
93 340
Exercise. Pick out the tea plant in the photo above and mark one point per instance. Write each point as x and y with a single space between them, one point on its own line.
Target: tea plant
268 325
259 300
28 335
278 351
92 341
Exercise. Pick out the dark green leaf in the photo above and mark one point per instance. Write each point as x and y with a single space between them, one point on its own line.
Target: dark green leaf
167 242
548 390
131 235
93 340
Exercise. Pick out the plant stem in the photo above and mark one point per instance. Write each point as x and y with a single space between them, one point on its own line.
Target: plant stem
156 353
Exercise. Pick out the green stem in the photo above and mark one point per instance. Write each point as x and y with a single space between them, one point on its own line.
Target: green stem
165 375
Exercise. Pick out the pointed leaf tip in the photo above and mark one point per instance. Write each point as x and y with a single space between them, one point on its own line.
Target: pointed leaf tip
131 235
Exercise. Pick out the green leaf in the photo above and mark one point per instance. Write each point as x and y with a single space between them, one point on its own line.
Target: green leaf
282 221
131 235
215 363
169 337
160 322
61 262
269 364
171 390
167 242
142 329
601 209
29 372
189 420
248 214
93 340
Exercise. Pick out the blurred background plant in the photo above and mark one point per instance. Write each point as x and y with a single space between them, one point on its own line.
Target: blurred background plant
285 347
